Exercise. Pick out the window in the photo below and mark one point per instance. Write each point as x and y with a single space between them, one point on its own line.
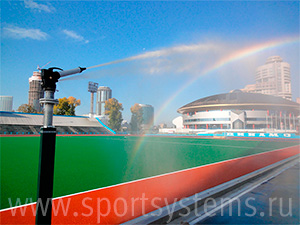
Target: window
256 119
207 119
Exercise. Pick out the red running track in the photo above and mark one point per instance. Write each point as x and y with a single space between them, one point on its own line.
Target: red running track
120 203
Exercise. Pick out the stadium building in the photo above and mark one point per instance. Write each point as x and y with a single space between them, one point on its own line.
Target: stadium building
12 123
241 111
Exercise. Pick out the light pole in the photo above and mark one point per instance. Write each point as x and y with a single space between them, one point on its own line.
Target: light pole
47 144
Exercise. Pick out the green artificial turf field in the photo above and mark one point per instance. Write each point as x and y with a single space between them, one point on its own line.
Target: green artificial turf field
87 162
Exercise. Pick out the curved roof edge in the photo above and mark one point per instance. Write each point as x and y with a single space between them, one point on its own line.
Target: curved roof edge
239 99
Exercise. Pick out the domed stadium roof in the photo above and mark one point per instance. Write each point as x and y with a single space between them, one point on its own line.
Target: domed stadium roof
240 100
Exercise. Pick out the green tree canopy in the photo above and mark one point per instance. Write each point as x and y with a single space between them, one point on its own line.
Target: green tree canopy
25 108
66 106
136 118
113 109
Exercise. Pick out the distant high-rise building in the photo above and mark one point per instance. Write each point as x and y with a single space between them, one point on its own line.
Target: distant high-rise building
35 91
148 115
274 78
250 88
103 94
6 103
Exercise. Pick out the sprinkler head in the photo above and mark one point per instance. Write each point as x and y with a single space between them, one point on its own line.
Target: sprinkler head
49 78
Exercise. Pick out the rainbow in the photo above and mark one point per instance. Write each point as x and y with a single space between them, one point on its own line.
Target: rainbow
237 55
135 150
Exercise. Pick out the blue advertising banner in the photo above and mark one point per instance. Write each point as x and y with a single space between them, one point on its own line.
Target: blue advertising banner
253 135
263 135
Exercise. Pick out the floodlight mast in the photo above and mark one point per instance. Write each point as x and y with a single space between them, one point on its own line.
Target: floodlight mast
93 89
47 143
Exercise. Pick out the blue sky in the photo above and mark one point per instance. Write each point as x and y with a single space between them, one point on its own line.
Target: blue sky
87 33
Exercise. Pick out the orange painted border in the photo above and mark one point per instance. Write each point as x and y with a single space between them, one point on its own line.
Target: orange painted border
143 196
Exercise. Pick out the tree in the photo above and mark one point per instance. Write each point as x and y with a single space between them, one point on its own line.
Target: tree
25 108
66 106
136 118
113 109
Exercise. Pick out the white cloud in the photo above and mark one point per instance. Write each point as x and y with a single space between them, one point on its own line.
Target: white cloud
75 36
38 6
21 33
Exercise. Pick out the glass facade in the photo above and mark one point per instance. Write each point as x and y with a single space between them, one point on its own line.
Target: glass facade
6 103
207 119
252 119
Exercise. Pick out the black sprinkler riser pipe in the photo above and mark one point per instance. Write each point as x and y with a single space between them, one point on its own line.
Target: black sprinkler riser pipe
46 175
